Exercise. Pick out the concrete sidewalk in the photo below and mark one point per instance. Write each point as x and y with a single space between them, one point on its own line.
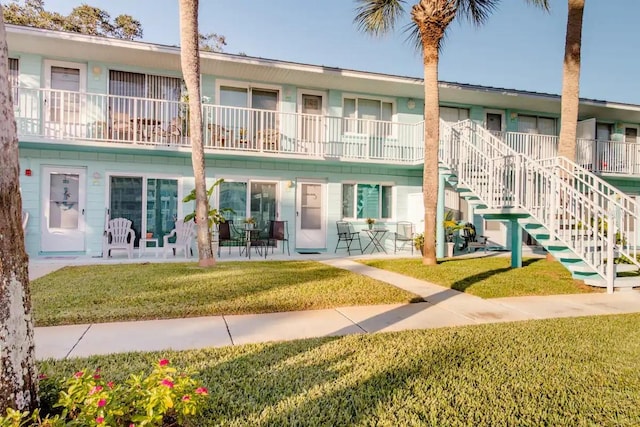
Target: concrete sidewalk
442 307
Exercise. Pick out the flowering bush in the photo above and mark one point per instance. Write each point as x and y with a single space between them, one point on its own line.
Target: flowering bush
164 397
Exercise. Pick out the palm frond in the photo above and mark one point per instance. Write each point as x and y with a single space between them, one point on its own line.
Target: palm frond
544 4
413 36
477 11
378 16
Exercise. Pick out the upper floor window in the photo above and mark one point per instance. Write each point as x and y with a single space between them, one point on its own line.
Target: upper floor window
604 131
132 92
123 83
359 111
14 77
242 97
536 124
454 115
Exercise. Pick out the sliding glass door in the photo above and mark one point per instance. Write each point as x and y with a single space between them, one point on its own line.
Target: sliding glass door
151 204
255 199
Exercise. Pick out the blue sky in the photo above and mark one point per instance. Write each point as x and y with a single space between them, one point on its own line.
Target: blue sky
520 47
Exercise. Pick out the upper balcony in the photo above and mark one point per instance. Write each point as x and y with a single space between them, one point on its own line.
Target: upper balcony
45 115
598 156
55 116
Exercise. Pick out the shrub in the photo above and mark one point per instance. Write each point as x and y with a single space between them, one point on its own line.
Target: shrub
164 397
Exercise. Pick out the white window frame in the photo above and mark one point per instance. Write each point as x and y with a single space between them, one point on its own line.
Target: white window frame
355 199
392 101
249 86
503 120
538 117
82 67
145 177
247 210
320 93
146 75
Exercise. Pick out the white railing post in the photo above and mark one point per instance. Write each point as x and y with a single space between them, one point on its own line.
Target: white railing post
611 239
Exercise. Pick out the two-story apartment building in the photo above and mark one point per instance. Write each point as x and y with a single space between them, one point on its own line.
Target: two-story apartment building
102 131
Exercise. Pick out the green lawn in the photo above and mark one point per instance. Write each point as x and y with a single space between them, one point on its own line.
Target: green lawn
580 371
490 277
103 293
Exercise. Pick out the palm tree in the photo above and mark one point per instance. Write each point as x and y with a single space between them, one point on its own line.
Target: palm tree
571 81
430 18
18 379
190 59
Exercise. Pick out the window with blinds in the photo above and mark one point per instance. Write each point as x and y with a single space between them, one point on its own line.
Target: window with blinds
536 125
127 86
14 77
123 83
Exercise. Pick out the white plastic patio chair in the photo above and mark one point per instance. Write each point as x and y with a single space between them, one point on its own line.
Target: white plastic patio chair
118 235
184 233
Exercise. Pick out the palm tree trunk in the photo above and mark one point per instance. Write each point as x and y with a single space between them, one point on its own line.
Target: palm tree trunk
190 59
18 378
571 80
431 143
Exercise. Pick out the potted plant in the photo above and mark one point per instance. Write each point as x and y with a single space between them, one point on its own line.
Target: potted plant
450 227
250 222
370 222
215 216
418 242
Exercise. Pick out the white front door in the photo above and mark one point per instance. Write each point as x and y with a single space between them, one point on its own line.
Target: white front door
64 103
63 205
311 221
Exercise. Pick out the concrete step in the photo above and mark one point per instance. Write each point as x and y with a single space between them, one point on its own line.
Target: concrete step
620 283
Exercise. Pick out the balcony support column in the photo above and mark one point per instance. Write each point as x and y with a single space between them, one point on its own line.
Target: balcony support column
440 243
516 243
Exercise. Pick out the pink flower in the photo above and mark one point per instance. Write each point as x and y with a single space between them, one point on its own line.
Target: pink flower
42 377
96 377
132 425
186 398
163 362
167 383
102 402
96 389
78 374
202 390
99 420
110 384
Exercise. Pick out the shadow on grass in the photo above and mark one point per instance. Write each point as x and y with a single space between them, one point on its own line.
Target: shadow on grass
90 294
463 284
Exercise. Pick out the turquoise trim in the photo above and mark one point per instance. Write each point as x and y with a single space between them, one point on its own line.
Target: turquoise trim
516 243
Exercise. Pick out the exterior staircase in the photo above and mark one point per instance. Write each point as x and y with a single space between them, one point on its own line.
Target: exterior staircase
584 222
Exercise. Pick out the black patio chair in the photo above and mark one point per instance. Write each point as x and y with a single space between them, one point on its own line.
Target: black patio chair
348 236
472 240
227 234
279 232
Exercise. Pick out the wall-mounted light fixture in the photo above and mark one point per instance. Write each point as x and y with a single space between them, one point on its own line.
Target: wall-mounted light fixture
290 184
96 70
411 104
513 115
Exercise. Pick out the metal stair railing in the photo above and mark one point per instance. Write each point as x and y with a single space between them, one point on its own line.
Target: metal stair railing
622 212
482 168
583 212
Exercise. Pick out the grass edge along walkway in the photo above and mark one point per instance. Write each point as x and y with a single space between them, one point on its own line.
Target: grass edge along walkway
125 292
489 276
577 371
